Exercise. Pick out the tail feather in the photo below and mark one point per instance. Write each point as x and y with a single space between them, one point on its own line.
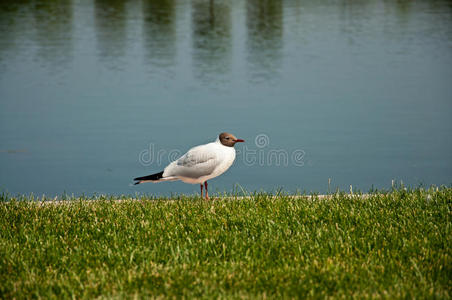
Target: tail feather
152 177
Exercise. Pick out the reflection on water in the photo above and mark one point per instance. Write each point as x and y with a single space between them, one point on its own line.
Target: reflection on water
264 20
9 19
47 23
50 25
53 25
111 31
211 22
159 29
362 87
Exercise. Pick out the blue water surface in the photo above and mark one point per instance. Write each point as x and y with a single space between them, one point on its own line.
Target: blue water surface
95 93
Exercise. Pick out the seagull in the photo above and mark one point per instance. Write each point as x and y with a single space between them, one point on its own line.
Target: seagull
200 163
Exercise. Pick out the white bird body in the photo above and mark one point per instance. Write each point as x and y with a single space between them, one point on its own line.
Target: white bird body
200 163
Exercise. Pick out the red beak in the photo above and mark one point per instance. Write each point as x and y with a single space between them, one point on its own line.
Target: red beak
239 141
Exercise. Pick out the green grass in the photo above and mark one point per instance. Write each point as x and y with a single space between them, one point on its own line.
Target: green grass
390 245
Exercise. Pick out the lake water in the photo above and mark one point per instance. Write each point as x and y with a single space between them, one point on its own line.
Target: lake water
95 93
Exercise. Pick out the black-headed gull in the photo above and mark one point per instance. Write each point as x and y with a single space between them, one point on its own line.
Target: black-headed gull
200 163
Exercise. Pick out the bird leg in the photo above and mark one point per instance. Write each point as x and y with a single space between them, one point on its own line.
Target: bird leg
201 190
207 193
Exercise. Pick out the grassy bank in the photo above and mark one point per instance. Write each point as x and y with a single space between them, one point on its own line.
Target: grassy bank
391 245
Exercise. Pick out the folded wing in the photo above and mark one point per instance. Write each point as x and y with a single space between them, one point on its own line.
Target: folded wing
197 162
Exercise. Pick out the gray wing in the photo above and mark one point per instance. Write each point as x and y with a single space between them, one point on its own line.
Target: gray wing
198 161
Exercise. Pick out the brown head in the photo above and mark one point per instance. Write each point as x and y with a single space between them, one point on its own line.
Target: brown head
228 139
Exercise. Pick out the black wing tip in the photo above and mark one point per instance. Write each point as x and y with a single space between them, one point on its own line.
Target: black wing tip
151 177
